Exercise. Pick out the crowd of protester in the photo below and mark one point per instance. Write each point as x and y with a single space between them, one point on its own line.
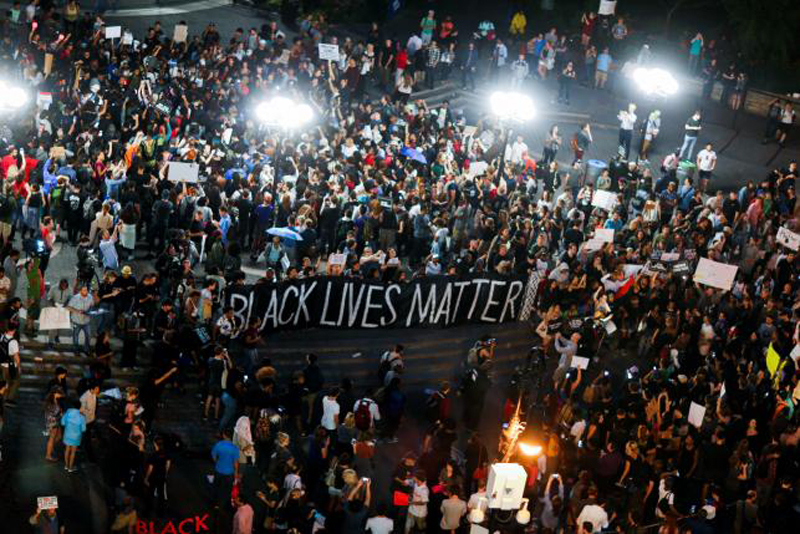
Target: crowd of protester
387 181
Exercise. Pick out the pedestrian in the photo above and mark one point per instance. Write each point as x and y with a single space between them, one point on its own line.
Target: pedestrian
10 364
785 123
565 80
690 132
552 143
627 120
706 163
47 521
499 56
453 510
243 518
469 66
88 410
519 72
52 420
773 116
416 520
79 305
651 129
695 51
432 63
226 468
427 27
583 138
74 424
604 62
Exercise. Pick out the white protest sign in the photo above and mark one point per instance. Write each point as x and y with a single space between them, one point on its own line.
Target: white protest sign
47 503
696 414
178 171
226 136
631 269
607 7
670 256
592 245
795 354
788 239
43 100
579 362
610 327
329 52
181 33
470 130
285 263
604 199
113 32
715 274
54 319
477 168
605 235
337 259
127 38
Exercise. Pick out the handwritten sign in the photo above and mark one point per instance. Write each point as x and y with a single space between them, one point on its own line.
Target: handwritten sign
181 33
337 259
715 274
604 199
113 32
179 171
696 414
47 503
328 52
604 235
54 318
788 239
579 362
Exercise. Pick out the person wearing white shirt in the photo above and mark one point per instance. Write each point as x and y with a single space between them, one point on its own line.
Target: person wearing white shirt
706 163
517 151
477 499
418 504
330 411
627 120
593 513
379 524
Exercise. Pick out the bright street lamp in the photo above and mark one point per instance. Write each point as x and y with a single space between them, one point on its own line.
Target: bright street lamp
12 97
285 114
511 107
655 81
529 449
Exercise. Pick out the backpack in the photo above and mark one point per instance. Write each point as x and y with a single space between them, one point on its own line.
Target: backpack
362 416
386 364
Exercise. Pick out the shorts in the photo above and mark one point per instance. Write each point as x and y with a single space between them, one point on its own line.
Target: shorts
704 175
215 390
784 128
5 230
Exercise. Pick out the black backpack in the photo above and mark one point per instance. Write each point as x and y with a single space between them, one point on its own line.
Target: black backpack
6 206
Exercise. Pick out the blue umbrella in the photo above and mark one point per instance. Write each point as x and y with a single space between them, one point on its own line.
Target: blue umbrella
413 154
287 233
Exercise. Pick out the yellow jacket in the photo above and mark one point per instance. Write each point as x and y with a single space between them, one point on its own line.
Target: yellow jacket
518 23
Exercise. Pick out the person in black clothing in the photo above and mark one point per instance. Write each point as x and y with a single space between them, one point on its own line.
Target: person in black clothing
328 218
126 284
314 381
156 470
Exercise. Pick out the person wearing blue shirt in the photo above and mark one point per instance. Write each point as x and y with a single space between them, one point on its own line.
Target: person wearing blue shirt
224 224
49 176
686 194
74 424
226 467
614 223
602 66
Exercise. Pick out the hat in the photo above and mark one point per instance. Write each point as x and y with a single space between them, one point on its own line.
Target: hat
126 269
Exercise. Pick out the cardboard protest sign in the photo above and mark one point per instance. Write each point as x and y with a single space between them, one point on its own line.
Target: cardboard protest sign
605 235
329 52
181 33
54 318
579 362
113 32
696 414
788 239
178 171
604 199
47 503
48 63
715 274
337 259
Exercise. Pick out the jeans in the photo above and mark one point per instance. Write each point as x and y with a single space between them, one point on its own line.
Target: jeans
229 412
693 61
468 75
625 137
688 147
105 319
76 332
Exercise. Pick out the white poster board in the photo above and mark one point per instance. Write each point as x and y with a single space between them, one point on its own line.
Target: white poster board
604 199
579 362
715 274
113 32
477 168
284 57
178 171
696 414
54 318
605 235
47 503
787 238
607 7
127 38
180 33
337 259
329 52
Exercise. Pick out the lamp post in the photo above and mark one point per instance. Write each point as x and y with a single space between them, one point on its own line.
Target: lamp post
283 114
510 107
654 84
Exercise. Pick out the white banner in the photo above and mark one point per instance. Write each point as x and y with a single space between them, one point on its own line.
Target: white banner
606 235
113 32
328 52
607 7
178 171
715 274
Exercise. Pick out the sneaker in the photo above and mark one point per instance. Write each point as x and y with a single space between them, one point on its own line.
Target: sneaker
11 404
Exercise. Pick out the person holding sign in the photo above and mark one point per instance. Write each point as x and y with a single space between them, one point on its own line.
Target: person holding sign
46 521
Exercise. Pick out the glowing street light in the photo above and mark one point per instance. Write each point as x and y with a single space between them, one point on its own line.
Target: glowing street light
529 449
512 106
284 112
12 97
655 82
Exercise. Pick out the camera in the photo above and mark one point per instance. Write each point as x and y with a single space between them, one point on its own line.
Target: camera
35 248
